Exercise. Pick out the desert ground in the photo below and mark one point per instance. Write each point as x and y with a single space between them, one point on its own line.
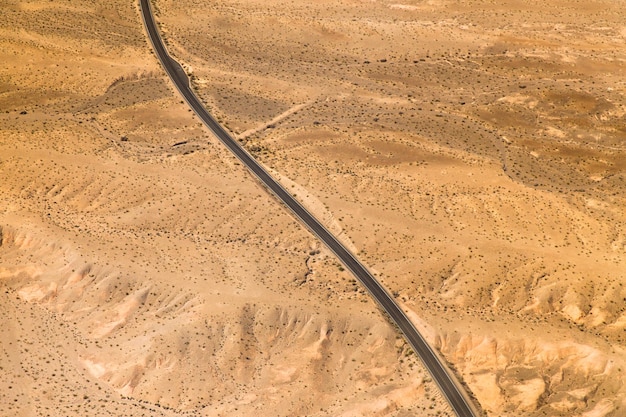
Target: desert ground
473 155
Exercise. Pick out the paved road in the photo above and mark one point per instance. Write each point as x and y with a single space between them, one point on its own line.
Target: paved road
449 386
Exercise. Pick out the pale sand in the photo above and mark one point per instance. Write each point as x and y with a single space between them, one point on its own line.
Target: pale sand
473 156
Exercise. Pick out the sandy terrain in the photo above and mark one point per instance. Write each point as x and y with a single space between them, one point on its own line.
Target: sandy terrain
471 153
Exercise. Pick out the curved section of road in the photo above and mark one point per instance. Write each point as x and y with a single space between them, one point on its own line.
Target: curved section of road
451 389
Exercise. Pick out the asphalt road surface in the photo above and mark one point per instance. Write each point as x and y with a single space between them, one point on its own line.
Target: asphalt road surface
451 389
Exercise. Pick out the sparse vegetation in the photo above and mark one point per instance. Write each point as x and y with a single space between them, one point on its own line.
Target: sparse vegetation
472 156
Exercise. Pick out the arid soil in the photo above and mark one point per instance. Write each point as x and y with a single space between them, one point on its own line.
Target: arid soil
471 153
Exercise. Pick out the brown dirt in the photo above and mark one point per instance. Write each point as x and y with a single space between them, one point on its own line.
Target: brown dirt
472 154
